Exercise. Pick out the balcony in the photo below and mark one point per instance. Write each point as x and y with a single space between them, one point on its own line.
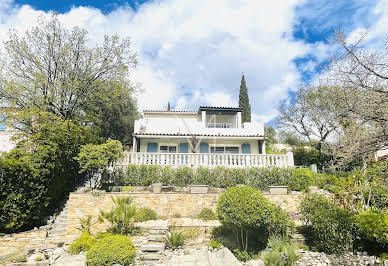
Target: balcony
219 125
208 159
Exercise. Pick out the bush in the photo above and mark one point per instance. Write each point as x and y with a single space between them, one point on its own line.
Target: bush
245 210
243 255
280 252
331 229
111 249
215 244
372 225
307 157
127 189
83 243
301 179
223 177
207 214
174 239
145 214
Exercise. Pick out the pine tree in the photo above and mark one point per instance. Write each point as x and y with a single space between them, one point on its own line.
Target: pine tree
243 101
168 107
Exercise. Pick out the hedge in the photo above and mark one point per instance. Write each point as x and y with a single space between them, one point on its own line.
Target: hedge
261 178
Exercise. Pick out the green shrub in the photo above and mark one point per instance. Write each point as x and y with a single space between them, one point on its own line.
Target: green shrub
215 244
245 211
121 217
111 249
145 214
280 252
83 243
207 214
191 233
174 239
307 157
301 179
127 189
372 225
243 255
331 229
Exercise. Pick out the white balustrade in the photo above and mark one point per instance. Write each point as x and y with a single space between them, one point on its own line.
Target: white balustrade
208 159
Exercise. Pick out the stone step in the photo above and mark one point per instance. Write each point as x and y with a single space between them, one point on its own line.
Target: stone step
152 257
157 231
153 247
155 238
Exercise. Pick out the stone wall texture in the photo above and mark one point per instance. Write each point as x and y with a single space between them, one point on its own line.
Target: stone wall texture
165 204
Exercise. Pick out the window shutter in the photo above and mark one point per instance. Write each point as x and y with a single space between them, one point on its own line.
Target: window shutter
246 148
203 147
3 119
183 147
152 147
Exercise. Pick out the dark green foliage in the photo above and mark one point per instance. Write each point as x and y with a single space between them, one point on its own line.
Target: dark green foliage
145 214
83 243
330 229
174 239
40 171
246 212
243 101
24 195
260 178
307 157
207 214
111 249
168 107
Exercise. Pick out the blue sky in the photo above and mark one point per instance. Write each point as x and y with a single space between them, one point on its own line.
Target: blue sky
193 52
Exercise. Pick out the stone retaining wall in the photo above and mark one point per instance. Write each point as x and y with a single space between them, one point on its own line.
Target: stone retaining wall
165 204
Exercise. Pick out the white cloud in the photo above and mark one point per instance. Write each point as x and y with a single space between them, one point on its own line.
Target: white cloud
192 53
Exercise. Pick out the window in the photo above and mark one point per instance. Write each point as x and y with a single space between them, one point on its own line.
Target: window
168 149
222 149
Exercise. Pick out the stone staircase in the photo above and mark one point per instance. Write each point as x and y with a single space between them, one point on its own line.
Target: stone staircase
152 252
57 229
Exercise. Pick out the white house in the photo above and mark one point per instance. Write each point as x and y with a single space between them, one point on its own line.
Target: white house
211 136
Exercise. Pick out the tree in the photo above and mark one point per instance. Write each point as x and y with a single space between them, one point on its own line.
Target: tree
94 159
243 101
361 75
270 134
313 114
53 69
168 107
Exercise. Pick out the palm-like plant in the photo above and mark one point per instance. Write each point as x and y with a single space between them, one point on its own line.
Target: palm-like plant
174 239
87 223
121 216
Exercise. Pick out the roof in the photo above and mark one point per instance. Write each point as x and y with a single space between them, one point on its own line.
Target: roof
201 108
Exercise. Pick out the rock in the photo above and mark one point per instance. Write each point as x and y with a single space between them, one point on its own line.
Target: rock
223 257
36 257
71 260
257 262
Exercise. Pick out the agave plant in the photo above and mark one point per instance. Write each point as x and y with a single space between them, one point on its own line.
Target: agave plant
174 239
86 223
121 216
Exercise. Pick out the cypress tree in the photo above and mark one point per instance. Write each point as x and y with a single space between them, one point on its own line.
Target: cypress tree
243 101
168 107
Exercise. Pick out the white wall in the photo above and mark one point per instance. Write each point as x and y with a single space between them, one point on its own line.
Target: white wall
211 142
5 141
